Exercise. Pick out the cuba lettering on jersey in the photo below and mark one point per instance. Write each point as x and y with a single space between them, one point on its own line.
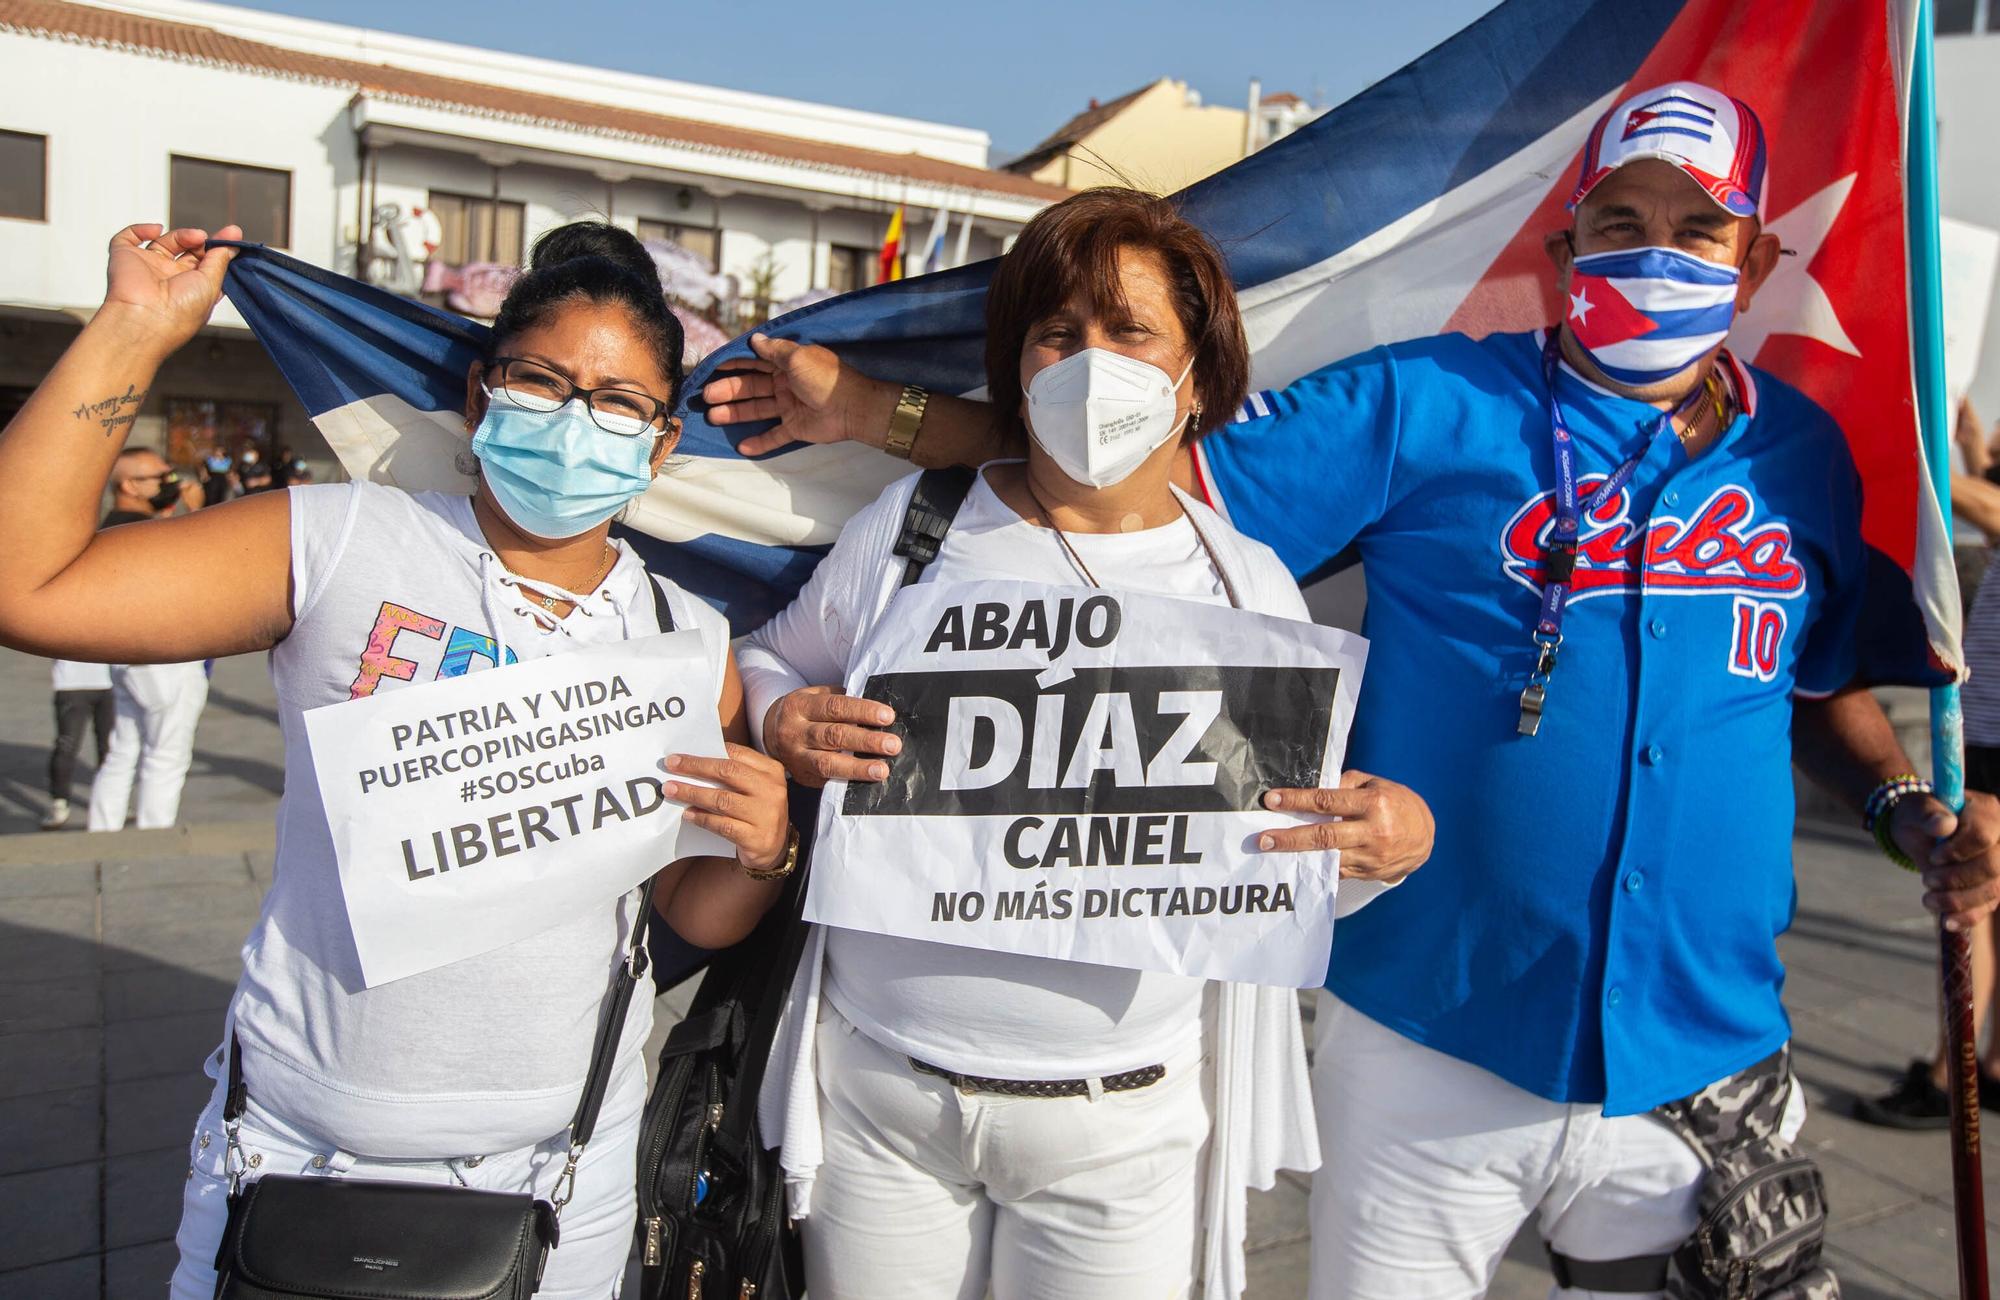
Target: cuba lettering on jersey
1597 921
1722 548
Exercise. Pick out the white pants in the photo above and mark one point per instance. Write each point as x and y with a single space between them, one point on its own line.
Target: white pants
597 1224
1429 1166
929 1193
152 741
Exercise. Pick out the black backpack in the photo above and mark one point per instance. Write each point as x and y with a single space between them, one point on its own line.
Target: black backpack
711 1199
712 1216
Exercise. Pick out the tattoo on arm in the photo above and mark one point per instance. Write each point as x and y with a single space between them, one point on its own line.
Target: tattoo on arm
112 413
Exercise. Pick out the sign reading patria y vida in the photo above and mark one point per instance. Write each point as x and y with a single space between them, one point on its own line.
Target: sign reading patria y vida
475 811
1081 776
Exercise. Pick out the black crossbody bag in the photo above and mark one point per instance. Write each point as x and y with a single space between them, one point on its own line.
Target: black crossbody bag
291 1237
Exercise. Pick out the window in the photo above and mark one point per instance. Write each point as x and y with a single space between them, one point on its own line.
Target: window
478 230
24 176
211 195
851 268
197 426
1954 16
698 240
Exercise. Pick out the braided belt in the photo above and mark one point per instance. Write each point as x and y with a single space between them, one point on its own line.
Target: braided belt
1144 1077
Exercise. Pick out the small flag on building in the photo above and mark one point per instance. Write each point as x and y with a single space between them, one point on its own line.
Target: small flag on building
892 250
933 259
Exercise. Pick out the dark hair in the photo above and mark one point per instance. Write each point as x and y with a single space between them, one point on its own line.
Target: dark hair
1073 245
594 261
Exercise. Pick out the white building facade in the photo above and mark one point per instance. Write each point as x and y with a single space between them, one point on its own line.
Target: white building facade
376 154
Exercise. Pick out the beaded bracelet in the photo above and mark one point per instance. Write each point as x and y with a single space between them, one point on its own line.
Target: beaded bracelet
1882 801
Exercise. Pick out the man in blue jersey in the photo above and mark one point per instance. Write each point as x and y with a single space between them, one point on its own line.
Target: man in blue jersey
1613 580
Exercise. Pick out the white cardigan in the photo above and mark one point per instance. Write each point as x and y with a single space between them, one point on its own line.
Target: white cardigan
1263 1119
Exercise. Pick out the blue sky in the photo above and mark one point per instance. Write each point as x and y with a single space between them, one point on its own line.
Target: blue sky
1016 70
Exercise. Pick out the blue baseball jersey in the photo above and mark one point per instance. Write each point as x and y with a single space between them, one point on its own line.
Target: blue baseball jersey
1598 920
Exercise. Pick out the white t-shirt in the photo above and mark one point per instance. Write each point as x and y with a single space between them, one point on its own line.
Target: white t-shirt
487 1054
68 675
966 1009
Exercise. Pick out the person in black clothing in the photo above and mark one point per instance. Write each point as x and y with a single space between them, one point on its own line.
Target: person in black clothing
83 703
218 478
144 486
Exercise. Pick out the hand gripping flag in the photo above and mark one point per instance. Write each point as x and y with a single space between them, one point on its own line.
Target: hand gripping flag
1416 207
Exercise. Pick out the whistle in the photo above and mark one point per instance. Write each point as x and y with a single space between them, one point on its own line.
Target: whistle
1531 708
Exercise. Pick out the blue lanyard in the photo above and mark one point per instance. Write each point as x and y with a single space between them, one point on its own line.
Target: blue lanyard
1559 558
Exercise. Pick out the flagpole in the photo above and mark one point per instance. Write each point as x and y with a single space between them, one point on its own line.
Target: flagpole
1947 729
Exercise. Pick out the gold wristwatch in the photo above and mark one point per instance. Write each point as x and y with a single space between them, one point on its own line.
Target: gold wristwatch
908 419
784 868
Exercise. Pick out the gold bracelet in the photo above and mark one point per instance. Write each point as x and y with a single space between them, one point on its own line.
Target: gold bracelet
905 424
783 869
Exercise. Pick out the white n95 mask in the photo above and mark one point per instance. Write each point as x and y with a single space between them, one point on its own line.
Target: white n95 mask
1099 414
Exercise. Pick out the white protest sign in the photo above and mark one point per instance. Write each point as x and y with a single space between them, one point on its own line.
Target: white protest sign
1080 778
475 811
1969 254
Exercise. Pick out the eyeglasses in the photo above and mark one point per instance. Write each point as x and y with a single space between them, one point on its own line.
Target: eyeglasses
532 386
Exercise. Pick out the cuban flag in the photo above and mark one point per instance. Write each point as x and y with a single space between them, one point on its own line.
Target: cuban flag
1414 208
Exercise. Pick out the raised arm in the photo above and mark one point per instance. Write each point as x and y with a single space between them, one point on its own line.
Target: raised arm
815 397
216 582
1978 501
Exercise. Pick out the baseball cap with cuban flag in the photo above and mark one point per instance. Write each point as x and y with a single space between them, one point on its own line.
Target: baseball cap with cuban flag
1713 137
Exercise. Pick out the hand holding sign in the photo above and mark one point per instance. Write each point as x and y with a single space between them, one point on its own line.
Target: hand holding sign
821 734
745 806
1384 833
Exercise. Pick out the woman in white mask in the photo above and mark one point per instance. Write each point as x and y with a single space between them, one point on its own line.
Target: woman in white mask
972 1120
469 1074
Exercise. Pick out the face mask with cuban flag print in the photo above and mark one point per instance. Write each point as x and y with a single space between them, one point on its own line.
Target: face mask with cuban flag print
1643 315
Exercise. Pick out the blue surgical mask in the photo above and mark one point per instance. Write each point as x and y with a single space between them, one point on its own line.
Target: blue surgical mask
555 473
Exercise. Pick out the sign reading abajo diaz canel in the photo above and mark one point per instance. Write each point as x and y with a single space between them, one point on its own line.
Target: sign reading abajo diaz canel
1081 777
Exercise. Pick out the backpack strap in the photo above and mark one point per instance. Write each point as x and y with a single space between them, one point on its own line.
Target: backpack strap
1636 1274
661 614
933 505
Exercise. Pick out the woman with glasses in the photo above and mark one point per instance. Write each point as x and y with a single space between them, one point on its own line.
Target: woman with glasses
467 1074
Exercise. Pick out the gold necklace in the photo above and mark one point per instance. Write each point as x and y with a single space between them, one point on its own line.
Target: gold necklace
1716 395
549 602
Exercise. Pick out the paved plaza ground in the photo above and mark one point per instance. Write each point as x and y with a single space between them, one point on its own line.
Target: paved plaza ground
117 954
